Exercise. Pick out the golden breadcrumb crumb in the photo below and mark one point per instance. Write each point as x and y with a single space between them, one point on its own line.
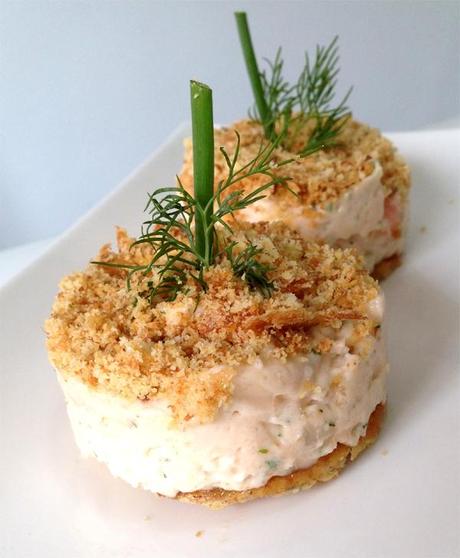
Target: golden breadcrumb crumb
318 179
114 340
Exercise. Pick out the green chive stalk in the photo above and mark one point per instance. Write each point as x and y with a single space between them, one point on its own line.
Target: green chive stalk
254 74
203 167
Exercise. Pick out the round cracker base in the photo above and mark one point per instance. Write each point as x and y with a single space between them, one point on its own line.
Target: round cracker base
385 267
326 468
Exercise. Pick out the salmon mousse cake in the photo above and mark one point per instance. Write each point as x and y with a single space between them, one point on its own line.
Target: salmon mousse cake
218 361
349 183
223 395
354 194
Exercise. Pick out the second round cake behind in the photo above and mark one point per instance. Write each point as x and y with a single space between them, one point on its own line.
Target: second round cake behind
355 194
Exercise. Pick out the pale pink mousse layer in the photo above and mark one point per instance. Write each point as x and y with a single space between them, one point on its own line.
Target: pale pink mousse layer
362 218
283 416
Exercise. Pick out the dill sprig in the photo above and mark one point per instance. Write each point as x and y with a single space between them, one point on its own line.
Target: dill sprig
181 229
246 266
292 106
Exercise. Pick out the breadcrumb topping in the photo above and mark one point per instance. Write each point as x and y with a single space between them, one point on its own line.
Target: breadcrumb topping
318 179
188 350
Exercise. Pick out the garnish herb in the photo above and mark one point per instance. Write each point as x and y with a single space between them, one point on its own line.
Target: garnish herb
203 164
291 106
255 77
181 227
263 450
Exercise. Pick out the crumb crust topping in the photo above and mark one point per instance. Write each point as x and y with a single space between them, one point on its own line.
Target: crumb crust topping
188 350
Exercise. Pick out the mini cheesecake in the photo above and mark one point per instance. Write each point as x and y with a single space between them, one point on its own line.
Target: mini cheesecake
352 195
224 395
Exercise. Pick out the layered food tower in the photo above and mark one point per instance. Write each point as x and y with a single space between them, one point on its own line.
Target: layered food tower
238 397
218 361
352 194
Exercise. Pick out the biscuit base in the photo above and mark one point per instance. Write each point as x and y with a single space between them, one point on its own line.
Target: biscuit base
385 267
326 468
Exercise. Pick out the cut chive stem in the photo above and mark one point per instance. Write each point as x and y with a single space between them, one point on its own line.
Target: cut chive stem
203 167
254 75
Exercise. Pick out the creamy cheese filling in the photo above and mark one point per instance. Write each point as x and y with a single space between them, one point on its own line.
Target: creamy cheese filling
283 416
356 219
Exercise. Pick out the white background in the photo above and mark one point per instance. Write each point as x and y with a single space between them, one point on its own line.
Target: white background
89 89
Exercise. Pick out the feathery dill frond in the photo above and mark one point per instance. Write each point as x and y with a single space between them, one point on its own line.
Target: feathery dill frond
179 252
246 266
279 94
294 105
317 81
315 92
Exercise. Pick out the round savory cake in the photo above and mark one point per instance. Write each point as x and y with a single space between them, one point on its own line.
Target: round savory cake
223 395
352 195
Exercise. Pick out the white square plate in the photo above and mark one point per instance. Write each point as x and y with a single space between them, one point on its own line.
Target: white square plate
400 499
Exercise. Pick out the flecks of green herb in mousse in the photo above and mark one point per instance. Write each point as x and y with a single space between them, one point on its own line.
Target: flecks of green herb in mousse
263 450
329 207
271 464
